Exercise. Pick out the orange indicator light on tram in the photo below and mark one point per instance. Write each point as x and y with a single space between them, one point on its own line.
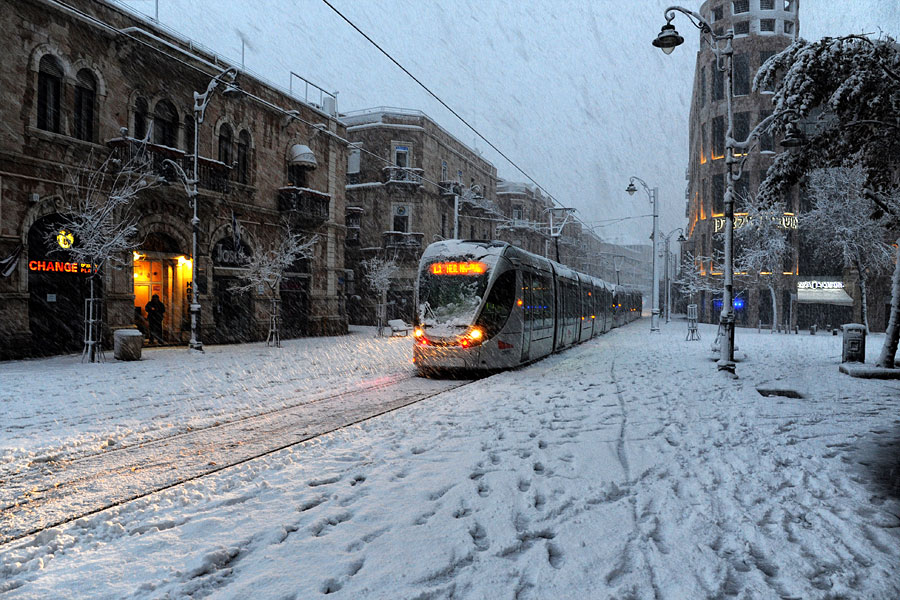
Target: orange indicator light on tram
458 268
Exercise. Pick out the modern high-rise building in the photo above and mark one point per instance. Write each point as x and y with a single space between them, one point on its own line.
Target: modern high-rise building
762 28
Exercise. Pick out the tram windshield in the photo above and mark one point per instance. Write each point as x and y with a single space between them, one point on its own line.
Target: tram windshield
450 293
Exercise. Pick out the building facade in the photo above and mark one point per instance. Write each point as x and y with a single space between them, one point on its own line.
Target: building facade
85 81
762 28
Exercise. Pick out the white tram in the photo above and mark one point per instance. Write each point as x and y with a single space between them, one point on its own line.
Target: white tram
487 305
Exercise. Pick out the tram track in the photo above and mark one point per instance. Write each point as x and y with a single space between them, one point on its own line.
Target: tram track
66 491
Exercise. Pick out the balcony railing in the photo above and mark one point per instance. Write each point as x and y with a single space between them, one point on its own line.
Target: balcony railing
400 240
214 175
352 238
402 175
308 205
449 188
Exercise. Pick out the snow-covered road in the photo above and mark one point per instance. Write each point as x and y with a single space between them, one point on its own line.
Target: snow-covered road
626 467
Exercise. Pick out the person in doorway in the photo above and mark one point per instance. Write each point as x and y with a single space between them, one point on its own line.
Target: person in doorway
155 311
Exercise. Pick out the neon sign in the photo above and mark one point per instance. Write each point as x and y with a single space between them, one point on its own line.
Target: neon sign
65 239
458 268
786 221
820 285
57 266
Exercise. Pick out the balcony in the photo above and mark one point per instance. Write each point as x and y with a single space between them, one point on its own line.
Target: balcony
352 238
402 175
399 240
307 205
214 175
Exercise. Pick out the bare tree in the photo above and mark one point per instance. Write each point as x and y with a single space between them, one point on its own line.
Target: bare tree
266 270
693 279
379 273
763 246
100 226
845 226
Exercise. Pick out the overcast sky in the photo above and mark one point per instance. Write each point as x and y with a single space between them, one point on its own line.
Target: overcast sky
571 90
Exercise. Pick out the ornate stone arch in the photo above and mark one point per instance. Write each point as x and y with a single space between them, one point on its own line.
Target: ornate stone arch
53 50
247 238
166 224
83 63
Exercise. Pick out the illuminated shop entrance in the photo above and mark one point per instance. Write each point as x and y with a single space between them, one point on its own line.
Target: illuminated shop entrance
57 289
166 274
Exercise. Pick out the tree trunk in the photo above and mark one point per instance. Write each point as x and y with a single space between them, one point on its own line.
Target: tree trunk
863 295
774 308
889 350
91 330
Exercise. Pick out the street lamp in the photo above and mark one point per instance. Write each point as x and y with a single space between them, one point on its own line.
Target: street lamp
653 194
721 46
681 239
201 101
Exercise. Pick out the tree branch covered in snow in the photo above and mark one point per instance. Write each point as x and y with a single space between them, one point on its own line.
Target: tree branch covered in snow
844 225
379 273
267 267
848 88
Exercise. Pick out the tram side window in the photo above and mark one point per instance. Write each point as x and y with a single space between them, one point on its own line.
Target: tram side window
499 304
527 297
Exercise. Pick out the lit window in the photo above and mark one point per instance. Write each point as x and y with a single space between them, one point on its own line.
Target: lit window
767 25
741 6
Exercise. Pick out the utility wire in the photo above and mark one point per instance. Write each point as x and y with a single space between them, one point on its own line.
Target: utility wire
444 104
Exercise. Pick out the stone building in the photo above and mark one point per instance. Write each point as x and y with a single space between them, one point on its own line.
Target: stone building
405 177
528 210
85 79
761 28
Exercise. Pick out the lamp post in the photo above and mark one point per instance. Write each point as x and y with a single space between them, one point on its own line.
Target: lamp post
721 46
681 239
653 194
201 101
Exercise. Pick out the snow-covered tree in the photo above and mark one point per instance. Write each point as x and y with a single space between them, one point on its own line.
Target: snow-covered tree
379 273
844 227
693 280
846 93
266 269
762 246
97 213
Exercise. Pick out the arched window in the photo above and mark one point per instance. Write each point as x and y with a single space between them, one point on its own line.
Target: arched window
85 98
50 75
140 118
189 133
243 157
165 124
226 136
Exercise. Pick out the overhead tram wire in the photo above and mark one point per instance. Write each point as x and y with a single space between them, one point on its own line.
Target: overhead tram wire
444 104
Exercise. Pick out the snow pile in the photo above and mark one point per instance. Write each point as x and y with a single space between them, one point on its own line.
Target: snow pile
625 467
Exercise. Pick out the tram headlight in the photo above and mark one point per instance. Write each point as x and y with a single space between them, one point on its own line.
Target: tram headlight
418 332
475 334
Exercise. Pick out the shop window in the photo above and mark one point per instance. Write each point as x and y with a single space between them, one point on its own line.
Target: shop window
85 99
141 111
49 87
741 70
767 25
243 157
165 124
226 137
740 6
742 28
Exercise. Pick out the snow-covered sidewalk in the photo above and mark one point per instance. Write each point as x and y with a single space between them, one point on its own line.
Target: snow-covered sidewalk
625 467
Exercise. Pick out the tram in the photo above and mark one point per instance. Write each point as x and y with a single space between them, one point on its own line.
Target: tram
488 305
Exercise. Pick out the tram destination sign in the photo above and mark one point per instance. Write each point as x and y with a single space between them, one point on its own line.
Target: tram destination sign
458 268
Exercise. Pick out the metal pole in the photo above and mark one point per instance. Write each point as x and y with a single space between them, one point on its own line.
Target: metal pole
455 216
668 283
195 343
726 319
654 315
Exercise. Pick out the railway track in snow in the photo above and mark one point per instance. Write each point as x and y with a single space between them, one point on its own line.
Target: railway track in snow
64 491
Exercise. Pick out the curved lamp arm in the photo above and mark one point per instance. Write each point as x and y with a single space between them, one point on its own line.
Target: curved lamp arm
201 100
189 184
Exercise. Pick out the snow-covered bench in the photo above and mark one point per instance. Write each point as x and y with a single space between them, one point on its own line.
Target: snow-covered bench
399 327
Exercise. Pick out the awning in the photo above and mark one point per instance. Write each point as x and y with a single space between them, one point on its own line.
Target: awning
301 155
835 296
